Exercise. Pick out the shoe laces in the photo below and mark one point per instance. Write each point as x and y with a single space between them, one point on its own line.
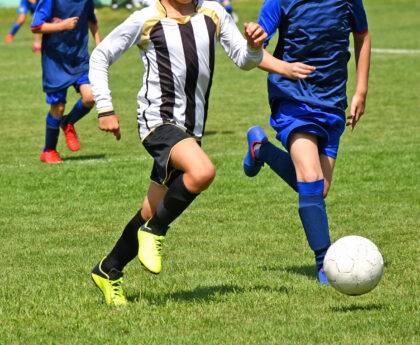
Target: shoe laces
116 288
159 245
69 129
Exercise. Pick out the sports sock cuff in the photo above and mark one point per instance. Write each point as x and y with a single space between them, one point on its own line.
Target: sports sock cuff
310 188
53 122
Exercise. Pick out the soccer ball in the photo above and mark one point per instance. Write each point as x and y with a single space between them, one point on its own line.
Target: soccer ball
354 265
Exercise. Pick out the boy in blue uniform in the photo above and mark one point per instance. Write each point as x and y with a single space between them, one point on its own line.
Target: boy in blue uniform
309 114
25 6
65 62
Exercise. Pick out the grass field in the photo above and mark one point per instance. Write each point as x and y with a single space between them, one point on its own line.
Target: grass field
237 266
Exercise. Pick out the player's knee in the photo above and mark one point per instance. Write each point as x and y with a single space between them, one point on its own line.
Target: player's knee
88 101
21 19
57 110
147 212
202 177
310 176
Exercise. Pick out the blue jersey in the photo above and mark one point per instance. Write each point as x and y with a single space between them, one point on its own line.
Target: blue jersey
316 33
65 56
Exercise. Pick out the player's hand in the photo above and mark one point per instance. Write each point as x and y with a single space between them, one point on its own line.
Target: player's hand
69 23
110 124
255 35
298 70
357 109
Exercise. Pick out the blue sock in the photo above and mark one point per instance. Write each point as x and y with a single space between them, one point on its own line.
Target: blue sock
52 132
279 161
313 215
15 28
76 113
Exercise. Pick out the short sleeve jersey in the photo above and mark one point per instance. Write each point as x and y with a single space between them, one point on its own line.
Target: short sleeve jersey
65 56
316 33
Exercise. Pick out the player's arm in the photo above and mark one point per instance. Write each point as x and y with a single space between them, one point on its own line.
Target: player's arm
57 26
93 23
294 71
362 51
43 22
94 29
103 56
245 53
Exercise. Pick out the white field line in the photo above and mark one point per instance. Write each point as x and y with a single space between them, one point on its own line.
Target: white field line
395 51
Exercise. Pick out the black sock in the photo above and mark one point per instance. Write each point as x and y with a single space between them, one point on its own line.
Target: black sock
176 200
126 247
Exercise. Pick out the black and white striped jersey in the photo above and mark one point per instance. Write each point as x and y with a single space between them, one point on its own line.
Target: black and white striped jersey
178 57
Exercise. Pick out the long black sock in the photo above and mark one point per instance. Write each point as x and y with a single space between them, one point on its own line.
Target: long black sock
126 247
176 200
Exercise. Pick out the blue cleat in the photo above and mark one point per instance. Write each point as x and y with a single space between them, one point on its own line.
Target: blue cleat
256 137
322 277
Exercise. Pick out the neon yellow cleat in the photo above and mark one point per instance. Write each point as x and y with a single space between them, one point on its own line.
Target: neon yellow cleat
110 285
150 251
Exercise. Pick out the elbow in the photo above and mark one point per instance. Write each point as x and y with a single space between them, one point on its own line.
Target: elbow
36 29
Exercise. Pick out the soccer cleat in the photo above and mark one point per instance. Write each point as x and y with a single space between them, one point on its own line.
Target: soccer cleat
110 284
256 137
72 140
322 277
9 38
150 250
50 157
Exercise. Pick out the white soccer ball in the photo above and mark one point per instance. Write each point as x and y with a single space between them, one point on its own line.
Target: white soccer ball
354 265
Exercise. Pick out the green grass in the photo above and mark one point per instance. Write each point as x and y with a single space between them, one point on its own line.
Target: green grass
236 271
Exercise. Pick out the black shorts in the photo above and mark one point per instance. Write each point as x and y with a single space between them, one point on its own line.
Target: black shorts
159 143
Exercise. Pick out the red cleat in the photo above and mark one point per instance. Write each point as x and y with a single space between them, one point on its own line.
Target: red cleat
71 137
9 38
50 157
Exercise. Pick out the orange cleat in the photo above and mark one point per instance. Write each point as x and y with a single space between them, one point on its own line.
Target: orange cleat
72 140
9 38
50 157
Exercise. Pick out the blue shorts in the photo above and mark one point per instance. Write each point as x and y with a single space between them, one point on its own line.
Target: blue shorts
61 96
25 6
289 118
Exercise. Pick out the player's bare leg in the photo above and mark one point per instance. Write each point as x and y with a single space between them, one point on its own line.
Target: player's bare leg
80 109
49 154
198 174
20 20
327 165
310 186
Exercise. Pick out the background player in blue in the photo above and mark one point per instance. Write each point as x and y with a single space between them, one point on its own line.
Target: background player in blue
65 62
25 6
309 114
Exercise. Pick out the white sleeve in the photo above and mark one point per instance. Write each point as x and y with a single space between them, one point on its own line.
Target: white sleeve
106 53
236 46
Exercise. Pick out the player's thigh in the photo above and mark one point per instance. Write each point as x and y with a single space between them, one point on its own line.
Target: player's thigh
305 156
327 165
198 169
154 196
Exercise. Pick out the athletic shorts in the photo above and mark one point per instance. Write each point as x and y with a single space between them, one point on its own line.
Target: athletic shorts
61 96
159 143
289 118
25 6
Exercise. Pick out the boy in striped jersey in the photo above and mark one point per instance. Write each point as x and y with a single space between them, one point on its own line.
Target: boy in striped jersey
177 44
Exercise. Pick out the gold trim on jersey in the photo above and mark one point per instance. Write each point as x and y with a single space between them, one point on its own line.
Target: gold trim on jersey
213 15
